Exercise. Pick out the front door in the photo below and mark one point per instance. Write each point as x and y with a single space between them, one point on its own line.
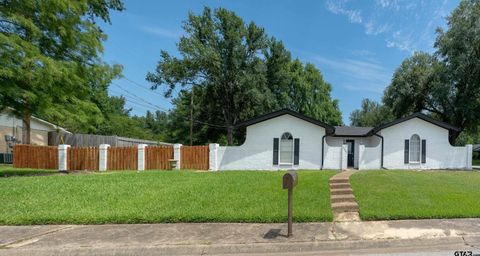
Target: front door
351 153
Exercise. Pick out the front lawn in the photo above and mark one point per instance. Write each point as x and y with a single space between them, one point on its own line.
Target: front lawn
400 194
162 196
8 171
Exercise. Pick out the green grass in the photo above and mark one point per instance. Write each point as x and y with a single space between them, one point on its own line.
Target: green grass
162 196
417 195
9 171
476 161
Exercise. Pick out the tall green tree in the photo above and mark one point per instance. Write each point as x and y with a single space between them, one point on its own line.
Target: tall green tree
447 84
220 54
371 114
49 55
459 49
232 71
414 85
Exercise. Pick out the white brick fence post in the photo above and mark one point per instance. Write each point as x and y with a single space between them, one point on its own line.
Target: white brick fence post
344 156
62 157
213 160
103 157
176 155
361 154
469 148
141 157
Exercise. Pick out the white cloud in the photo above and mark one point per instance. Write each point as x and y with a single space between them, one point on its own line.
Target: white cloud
406 25
162 32
336 7
359 74
393 4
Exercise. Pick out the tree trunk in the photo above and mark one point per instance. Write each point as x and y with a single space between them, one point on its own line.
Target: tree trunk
453 136
230 135
26 128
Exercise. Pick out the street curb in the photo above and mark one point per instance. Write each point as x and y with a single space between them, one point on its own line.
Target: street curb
286 247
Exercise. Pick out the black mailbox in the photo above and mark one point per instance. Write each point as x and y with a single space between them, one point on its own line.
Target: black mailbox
289 180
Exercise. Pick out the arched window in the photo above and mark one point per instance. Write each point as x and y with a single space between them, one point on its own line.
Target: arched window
286 148
415 149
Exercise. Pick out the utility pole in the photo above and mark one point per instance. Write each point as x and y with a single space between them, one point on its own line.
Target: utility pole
191 116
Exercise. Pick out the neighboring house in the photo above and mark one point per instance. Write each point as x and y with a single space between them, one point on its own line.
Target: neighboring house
13 126
286 139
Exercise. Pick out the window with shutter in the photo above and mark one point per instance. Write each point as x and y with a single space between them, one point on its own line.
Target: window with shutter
424 151
406 152
296 152
415 149
275 151
286 148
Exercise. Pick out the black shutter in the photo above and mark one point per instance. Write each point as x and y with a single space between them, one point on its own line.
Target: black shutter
275 151
407 151
424 151
296 152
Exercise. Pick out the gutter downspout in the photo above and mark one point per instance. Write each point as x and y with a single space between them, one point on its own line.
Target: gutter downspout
381 157
323 155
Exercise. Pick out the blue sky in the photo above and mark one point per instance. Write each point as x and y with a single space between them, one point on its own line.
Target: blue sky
357 45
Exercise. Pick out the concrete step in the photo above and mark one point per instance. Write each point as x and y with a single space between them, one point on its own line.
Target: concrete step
338 180
342 198
340 185
341 191
345 207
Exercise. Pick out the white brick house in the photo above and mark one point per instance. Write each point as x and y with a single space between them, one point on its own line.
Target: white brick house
288 140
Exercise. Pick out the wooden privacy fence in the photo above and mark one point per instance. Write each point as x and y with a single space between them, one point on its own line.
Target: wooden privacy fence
36 157
117 158
122 158
194 157
83 158
157 158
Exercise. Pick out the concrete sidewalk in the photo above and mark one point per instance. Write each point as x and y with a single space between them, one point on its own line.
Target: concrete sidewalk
224 238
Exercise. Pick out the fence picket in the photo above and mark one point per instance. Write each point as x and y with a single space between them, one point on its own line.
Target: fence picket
36 157
194 157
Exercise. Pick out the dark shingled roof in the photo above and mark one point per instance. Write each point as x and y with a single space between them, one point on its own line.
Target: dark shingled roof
351 131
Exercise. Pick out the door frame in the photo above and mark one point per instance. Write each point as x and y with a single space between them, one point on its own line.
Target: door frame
353 154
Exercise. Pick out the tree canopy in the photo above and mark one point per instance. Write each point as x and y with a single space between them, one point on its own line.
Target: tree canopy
445 84
232 71
50 60
370 114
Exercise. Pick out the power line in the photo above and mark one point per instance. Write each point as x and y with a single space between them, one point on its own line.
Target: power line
148 104
149 90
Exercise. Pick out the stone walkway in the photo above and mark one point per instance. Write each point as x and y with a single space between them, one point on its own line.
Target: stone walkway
344 205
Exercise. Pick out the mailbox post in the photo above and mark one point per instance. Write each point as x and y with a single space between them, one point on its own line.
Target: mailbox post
289 181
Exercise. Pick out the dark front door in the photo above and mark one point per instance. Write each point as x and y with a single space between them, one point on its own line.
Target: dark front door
351 153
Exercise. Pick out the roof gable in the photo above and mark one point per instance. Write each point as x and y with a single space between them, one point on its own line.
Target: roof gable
416 115
328 128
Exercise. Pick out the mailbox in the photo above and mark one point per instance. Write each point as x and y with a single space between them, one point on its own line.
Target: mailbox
289 180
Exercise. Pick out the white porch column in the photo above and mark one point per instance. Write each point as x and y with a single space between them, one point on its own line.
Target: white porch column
141 157
344 156
361 153
176 155
212 157
103 157
62 157
469 148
